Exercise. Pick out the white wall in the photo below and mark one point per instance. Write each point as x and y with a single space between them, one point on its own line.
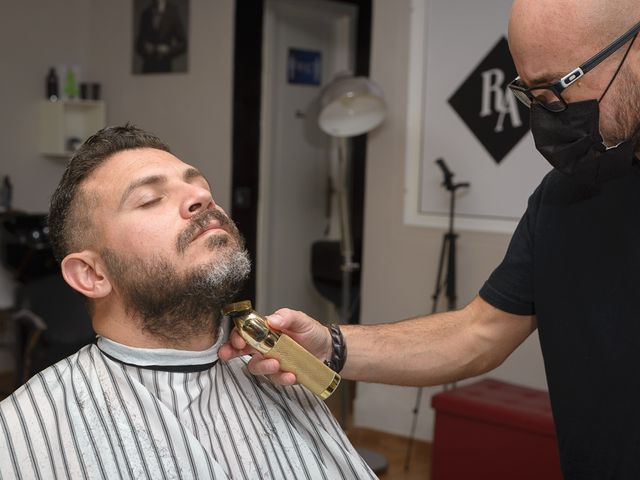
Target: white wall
190 111
400 262
35 35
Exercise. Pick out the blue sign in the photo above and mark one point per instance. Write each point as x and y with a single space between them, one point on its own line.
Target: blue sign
304 67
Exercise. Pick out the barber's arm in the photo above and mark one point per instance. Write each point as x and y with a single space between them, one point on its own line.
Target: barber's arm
428 350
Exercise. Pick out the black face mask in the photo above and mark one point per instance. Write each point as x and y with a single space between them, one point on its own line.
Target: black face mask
570 140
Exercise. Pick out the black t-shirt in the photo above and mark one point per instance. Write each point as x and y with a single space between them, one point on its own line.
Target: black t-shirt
574 262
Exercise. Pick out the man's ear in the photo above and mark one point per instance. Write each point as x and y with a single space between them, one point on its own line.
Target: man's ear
84 272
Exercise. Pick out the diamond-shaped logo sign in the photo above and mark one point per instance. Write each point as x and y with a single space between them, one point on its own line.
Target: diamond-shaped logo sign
487 106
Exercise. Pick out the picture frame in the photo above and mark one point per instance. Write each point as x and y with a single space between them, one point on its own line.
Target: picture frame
160 36
452 45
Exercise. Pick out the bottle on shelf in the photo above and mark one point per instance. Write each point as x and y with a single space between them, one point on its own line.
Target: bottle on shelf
70 84
52 85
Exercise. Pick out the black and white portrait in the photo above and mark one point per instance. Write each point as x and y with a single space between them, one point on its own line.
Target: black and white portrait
160 36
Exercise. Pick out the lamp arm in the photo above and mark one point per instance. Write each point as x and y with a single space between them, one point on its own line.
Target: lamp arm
343 205
348 266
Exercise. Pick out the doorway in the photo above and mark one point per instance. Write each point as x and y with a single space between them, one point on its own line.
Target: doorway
281 160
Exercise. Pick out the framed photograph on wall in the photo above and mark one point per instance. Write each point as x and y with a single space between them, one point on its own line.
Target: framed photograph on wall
160 36
460 110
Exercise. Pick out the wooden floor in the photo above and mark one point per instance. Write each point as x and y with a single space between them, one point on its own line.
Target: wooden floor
392 447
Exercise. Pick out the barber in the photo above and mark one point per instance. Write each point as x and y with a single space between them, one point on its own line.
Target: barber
572 268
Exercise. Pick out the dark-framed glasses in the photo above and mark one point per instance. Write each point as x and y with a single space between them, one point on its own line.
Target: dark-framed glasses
549 95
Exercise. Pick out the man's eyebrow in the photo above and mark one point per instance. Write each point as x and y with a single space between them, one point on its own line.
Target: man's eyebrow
546 79
191 173
141 182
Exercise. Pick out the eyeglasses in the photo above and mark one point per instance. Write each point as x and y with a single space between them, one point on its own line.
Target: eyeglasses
549 95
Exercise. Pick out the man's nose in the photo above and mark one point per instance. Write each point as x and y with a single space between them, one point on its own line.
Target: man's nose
197 200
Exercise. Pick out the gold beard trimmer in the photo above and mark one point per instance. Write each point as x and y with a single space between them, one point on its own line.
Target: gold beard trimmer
309 370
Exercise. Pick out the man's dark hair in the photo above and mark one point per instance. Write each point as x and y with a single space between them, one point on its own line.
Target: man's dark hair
69 221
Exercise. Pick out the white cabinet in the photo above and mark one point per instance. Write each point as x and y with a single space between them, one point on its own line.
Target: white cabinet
65 124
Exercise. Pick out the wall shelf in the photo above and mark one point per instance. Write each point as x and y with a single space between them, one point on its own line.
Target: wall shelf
63 121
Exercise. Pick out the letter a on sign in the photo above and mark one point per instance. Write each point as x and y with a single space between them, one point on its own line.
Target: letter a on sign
487 106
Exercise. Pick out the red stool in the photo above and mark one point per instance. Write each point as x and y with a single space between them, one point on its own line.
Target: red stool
492 430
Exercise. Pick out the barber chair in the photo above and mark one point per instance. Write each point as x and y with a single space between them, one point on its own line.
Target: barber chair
326 273
53 323
51 319
24 245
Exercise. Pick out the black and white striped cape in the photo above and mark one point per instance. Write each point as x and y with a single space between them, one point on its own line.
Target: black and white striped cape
93 416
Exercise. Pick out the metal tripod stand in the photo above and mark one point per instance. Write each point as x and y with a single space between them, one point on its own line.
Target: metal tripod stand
448 252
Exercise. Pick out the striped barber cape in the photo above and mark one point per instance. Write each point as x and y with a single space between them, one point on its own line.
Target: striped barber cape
111 411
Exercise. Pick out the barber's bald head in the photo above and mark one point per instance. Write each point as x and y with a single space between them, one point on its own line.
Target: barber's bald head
592 20
550 38
554 36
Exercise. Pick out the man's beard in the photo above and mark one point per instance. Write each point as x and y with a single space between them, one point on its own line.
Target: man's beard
625 118
173 306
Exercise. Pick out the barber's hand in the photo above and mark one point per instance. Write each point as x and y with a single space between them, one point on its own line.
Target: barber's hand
309 333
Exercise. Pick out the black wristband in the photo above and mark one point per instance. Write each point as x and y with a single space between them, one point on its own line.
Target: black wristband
338 349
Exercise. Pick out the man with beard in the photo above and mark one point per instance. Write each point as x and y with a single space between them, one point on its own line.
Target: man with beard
573 264
138 233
